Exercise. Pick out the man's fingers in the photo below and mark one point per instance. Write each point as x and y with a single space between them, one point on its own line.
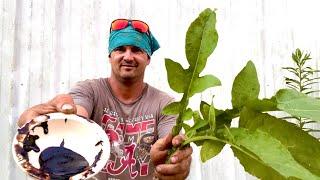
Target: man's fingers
64 103
181 176
159 149
173 171
42 109
34 112
181 154
61 103
163 143
168 169
177 140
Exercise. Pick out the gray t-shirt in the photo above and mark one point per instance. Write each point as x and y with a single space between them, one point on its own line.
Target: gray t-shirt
131 128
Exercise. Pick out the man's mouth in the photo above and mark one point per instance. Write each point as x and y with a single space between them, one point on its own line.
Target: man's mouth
128 65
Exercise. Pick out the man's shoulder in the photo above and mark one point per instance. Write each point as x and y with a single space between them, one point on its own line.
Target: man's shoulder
93 82
155 92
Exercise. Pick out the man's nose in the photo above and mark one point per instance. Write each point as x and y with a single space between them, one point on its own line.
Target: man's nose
128 55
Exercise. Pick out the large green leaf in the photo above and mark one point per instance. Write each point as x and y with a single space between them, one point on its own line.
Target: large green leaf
210 149
298 104
177 77
262 105
304 148
202 83
255 167
266 151
245 86
201 40
172 108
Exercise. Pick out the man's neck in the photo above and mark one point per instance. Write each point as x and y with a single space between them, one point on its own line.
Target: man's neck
126 91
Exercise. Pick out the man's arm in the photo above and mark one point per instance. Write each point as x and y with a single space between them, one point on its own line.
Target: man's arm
61 103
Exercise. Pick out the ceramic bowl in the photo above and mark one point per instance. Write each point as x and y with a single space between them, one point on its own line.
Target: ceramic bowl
57 130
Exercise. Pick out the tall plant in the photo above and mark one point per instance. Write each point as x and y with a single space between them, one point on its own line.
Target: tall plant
302 79
268 147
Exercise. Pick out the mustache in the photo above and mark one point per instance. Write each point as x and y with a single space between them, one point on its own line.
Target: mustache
132 64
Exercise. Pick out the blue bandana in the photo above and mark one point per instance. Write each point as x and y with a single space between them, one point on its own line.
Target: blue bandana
130 37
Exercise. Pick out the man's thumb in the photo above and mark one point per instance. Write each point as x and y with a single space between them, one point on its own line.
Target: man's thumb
68 108
64 103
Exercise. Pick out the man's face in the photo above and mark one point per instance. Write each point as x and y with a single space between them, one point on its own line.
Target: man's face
128 62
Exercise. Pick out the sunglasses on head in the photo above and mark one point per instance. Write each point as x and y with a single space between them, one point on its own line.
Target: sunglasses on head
138 25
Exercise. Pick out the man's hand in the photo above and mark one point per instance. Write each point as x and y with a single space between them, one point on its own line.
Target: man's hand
180 161
61 103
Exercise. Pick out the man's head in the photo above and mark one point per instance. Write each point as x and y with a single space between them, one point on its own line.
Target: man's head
130 46
124 32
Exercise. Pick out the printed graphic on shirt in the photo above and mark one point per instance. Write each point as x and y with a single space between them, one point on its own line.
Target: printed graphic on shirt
130 140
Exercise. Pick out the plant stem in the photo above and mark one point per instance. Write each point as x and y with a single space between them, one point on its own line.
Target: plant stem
177 128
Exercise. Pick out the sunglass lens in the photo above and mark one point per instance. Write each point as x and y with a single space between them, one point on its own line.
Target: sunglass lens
140 26
119 24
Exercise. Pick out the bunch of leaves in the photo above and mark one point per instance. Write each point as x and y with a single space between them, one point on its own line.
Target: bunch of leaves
268 147
302 79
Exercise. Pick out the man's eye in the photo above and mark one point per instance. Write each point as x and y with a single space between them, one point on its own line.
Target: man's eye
137 50
120 48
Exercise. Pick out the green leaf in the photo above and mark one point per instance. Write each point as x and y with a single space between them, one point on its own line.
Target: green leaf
212 117
245 86
303 147
262 105
223 118
202 83
204 109
255 167
209 149
196 116
177 77
201 40
198 125
267 151
172 108
186 127
187 114
298 104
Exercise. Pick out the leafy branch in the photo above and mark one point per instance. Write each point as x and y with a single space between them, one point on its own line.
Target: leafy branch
302 80
268 147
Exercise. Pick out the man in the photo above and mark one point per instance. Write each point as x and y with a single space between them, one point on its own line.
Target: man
128 109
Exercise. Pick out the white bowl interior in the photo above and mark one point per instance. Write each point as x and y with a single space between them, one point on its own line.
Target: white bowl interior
79 135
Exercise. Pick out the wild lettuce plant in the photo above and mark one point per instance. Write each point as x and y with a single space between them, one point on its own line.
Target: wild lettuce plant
302 79
268 147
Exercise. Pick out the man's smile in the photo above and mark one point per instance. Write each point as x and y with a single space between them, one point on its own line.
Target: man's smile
128 65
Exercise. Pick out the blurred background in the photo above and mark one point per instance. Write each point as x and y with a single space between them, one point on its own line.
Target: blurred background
47 46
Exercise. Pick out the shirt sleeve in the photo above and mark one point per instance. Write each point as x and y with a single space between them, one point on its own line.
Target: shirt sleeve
83 95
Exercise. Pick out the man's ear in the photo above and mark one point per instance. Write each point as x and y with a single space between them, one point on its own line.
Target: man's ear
109 56
149 59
